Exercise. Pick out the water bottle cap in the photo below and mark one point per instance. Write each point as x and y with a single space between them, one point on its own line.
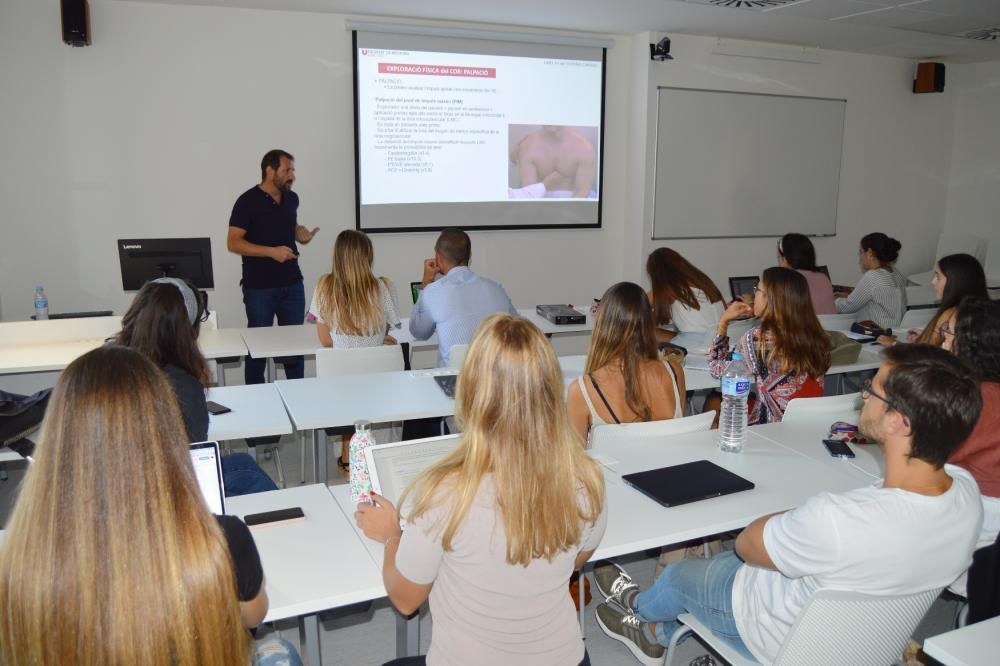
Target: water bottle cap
737 356
362 425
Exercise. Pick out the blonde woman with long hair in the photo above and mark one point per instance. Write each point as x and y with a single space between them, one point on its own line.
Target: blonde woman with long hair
111 555
500 524
352 307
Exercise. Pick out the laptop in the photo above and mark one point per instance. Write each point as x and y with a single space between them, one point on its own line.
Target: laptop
447 384
743 286
415 289
207 464
690 482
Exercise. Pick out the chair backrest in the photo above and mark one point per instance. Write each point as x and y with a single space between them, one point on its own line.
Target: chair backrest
384 358
839 627
614 432
915 319
456 355
829 409
837 322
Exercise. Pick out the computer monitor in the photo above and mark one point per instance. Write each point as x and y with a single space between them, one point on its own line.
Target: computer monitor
145 259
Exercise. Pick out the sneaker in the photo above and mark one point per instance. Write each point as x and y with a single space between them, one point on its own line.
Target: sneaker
614 584
703 660
626 627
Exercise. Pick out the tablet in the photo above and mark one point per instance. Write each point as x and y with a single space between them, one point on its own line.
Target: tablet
686 483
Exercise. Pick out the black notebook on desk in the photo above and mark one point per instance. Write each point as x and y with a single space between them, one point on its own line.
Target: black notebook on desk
690 482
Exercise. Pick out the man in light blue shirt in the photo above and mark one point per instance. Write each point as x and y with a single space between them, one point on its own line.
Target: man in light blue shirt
456 303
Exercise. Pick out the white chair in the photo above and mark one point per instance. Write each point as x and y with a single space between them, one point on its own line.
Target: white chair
613 433
915 319
836 627
456 355
332 362
837 322
830 409
951 243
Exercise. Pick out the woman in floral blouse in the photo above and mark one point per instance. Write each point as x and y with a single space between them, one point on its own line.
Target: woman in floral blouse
788 351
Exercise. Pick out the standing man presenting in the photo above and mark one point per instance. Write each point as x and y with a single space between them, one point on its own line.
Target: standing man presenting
264 229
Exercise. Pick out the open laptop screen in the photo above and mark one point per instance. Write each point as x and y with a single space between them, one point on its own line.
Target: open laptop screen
743 287
415 289
208 471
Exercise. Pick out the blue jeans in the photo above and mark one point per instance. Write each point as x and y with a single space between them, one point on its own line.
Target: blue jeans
288 304
703 588
242 475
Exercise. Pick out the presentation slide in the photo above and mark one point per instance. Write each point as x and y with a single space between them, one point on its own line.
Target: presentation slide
447 136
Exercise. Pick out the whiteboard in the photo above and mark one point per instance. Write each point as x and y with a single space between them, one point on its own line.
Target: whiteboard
741 164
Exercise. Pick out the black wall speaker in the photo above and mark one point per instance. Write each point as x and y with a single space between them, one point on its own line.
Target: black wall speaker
930 78
76 22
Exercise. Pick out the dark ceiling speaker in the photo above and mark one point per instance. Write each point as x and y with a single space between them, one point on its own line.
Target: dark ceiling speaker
76 22
660 50
930 78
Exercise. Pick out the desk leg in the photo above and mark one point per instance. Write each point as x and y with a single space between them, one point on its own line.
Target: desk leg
220 374
269 371
320 471
309 638
407 635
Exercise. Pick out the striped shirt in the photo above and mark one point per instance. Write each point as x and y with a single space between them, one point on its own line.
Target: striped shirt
880 296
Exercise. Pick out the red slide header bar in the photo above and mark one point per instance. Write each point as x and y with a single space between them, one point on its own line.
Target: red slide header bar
436 70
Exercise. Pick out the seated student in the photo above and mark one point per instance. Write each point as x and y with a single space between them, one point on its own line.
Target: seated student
788 351
880 295
454 304
972 333
625 381
913 532
111 555
163 323
681 295
956 276
352 307
796 251
499 524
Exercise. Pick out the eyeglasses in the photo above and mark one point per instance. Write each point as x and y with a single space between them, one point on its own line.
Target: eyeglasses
867 392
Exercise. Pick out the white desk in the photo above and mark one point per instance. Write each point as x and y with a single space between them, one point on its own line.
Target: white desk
257 412
806 439
6 455
974 645
310 565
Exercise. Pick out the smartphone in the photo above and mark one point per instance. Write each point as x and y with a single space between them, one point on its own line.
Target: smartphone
216 409
275 516
838 448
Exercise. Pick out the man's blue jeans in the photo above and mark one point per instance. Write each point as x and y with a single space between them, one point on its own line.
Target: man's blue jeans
703 588
243 476
288 304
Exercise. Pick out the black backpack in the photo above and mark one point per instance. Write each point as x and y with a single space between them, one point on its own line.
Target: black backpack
21 416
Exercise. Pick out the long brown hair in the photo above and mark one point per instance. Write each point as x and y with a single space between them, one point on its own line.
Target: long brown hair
349 298
158 326
624 334
674 279
111 556
798 342
515 426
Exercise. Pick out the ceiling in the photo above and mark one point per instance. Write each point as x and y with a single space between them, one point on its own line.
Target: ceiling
953 31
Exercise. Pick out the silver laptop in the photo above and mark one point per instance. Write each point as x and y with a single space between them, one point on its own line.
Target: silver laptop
207 464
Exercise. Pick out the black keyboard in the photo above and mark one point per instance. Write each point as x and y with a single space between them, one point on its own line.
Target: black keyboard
447 384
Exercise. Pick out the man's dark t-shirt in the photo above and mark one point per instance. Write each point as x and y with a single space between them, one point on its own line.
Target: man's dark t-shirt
267 223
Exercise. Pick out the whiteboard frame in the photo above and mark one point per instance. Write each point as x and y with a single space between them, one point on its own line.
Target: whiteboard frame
656 140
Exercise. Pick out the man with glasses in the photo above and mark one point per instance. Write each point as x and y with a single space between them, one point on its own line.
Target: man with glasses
912 531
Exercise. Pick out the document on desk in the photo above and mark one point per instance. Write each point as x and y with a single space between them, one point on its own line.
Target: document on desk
393 466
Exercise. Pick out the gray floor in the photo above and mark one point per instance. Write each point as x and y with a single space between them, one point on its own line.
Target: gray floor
366 634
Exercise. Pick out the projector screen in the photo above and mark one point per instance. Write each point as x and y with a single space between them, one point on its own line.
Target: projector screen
477 134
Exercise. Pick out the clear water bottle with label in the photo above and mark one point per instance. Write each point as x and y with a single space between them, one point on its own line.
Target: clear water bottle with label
361 483
41 303
736 382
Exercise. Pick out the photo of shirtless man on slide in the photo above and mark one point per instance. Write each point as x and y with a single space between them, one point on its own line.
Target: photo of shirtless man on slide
552 162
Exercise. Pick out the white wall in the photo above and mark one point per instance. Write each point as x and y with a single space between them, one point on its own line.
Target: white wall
974 185
894 172
157 127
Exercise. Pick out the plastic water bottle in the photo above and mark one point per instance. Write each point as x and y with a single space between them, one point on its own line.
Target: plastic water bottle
41 303
735 388
361 483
